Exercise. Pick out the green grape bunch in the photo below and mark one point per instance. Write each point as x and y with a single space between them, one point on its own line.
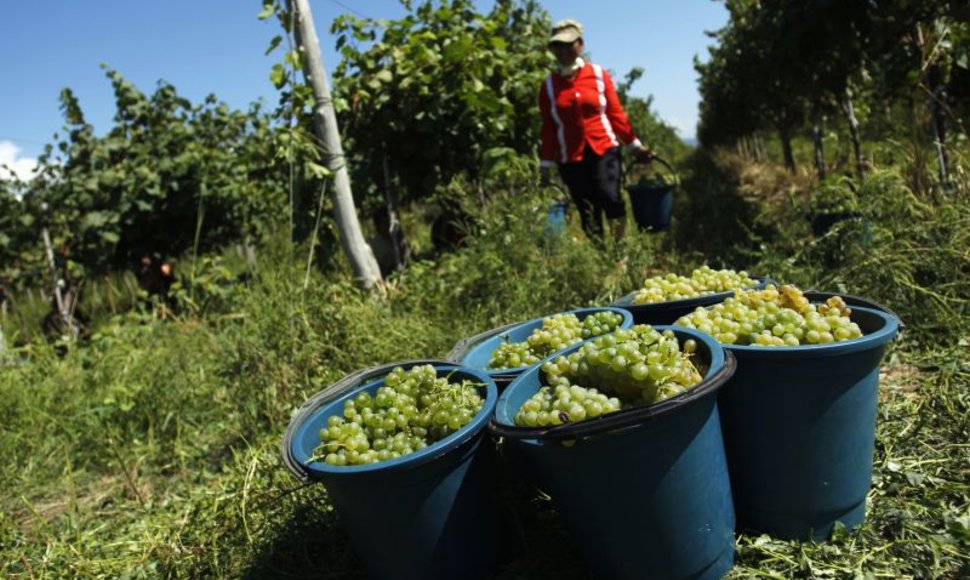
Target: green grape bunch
775 317
556 333
636 366
413 409
702 281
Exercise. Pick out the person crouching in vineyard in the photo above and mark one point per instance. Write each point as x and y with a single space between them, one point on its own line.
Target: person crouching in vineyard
582 126
155 279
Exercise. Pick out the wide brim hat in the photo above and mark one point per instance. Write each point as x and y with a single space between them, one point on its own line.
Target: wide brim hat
566 31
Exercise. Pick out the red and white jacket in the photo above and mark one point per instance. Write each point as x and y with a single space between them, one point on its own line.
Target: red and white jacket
586 110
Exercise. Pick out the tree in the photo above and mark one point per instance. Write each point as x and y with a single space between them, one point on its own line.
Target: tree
166 178
440 88
780 61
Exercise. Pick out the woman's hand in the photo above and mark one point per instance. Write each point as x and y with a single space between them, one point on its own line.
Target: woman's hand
644 154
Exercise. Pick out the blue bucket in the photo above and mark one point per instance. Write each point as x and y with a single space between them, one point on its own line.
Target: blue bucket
799 428
476 352
557 219
669 312
644 493
428 514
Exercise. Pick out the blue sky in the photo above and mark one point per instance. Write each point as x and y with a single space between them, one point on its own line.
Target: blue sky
217 46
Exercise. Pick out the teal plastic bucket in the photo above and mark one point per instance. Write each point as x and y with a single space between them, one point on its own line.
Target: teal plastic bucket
428 514
476 352
799 428
644 493
556 223
669 312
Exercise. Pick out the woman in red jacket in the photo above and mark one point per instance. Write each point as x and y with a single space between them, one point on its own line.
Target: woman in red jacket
583 124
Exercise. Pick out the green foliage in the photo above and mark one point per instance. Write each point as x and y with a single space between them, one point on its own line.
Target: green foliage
778 63
168 178
893 244
15 227
438 89
154 449
750 80
716 219
835 196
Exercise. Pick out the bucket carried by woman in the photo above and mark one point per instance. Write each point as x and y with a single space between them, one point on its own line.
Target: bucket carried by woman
652 197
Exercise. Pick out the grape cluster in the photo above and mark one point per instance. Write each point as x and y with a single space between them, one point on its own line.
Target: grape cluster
775 317
413 409
703 280
556 333
628 367
564 403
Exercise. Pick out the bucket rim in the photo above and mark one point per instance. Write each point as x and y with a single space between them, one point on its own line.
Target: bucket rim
722 367
318 470
876 339
332 392
460 352
651 189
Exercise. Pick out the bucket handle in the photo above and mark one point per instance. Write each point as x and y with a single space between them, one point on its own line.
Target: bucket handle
618 420
676 178
462 346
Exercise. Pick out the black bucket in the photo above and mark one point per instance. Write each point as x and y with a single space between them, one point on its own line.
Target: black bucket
653 202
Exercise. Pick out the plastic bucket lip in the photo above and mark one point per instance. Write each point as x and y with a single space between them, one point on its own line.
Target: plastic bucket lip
504 419
535 322
881 336
331 393
651 188
627 300
433 451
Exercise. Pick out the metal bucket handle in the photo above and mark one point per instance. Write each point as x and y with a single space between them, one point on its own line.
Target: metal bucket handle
624 173
464 345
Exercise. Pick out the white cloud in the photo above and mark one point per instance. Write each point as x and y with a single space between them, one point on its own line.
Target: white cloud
22 167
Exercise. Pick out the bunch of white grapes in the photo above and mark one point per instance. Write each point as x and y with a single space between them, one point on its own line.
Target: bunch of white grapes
703 280
629 367
556 333
413 409
775 317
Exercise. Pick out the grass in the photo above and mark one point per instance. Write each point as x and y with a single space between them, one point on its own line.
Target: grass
153 450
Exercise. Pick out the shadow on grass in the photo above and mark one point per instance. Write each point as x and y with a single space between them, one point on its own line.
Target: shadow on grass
311 543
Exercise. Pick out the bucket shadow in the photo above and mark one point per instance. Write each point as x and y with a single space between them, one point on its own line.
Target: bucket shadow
536 543
310 543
